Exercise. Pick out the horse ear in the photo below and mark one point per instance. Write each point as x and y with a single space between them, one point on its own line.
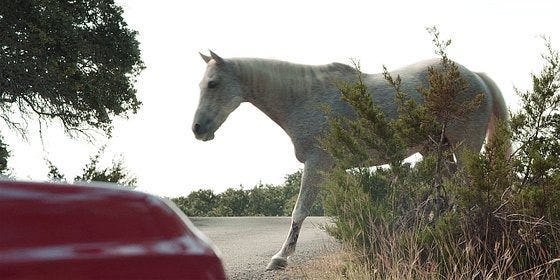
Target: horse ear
205 57
217 58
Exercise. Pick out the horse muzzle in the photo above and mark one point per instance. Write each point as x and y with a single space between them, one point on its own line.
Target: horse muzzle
202 133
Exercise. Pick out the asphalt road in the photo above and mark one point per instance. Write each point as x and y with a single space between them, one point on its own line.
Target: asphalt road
246 244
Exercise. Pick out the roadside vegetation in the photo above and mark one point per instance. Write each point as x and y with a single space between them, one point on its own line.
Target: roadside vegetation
93 171
497 217
261 200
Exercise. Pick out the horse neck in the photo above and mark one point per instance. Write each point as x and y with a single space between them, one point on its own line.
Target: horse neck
275 87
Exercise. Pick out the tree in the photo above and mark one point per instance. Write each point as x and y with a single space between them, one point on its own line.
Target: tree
441 96
4 154
536 128
71 61
200 203
232 202
54 173
266 200
261 200
500 218
117 173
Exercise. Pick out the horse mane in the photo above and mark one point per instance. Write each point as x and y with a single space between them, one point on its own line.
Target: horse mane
336 66
286 75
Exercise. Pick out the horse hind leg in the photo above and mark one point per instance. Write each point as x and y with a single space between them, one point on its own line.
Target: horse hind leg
470 143
448 157
310 181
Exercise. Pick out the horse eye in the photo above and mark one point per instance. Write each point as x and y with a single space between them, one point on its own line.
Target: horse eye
212 84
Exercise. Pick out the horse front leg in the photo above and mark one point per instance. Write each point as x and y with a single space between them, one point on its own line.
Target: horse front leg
310 181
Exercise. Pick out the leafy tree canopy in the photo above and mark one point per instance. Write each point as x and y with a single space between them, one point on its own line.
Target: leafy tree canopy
75 61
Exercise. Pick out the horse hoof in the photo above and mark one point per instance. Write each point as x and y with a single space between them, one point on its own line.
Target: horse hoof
277 263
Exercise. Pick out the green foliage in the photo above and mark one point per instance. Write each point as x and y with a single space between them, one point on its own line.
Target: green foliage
368 135
496 218
350 206
54 173
92 172
489 175
266 200
442 97
536 128
4 155
74 61
71 61
262 200
232 203
199 203
116 173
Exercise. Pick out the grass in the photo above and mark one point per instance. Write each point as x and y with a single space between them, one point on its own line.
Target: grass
345 265
399 256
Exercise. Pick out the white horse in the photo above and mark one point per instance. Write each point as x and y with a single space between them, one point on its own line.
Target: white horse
291 95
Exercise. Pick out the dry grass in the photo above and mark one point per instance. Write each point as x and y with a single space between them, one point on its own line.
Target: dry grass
344 265
333 265
399 257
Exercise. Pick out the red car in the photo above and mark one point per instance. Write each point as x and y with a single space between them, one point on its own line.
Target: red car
61 231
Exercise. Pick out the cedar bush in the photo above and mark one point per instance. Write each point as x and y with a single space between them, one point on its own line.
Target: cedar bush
496 217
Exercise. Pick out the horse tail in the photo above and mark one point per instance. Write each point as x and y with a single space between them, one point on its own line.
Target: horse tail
499 108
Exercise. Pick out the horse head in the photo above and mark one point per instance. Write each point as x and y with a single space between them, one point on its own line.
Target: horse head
220 94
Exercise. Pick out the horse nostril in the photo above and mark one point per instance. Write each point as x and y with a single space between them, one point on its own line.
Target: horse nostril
196 128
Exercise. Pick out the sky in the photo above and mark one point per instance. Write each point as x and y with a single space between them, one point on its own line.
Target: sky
500 38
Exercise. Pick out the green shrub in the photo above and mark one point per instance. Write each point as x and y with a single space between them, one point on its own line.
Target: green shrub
232 202
261 200
495 218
